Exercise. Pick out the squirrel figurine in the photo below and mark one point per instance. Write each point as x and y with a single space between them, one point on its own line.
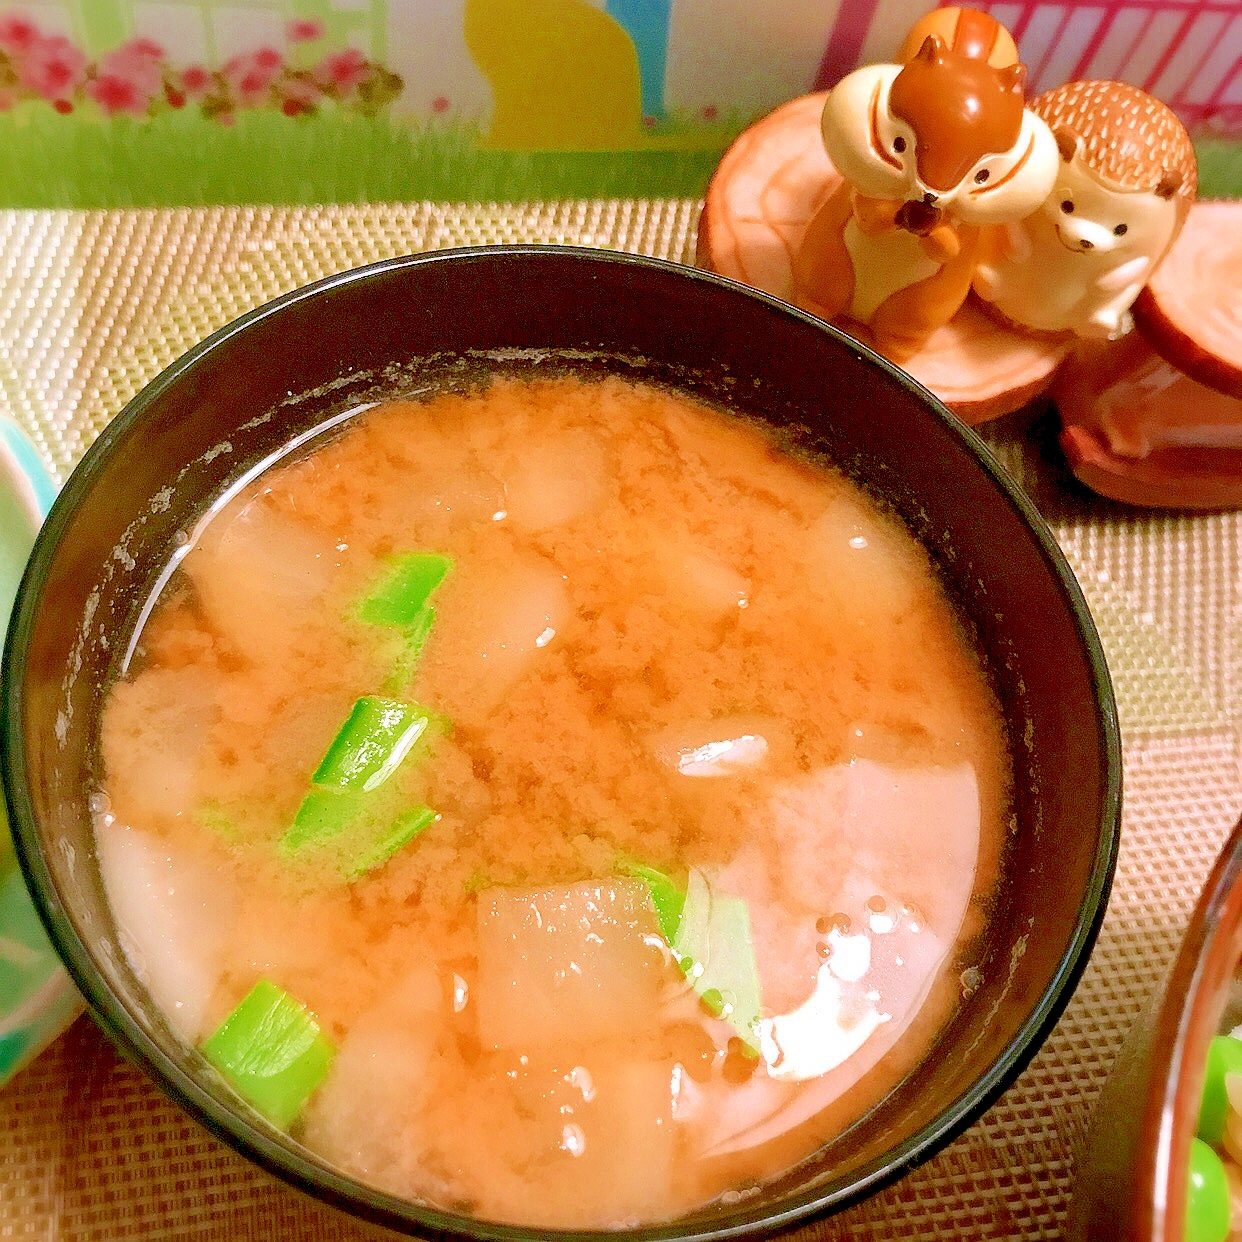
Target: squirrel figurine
932 151
1126 180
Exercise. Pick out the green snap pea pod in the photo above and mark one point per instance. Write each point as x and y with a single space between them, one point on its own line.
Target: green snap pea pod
1224 1057
272 1051
402 598
709 934
371 744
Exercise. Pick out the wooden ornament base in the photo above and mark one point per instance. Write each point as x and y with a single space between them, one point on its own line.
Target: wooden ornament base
761 198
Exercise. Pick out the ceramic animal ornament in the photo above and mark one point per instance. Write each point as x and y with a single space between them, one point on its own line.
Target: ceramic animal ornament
931 151
967 32
1126 180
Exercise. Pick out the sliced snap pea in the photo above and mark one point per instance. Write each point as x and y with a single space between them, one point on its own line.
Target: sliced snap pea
401 599
371 744
1224 1057
273 1052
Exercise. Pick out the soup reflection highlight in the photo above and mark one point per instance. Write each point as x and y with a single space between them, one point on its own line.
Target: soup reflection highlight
553 803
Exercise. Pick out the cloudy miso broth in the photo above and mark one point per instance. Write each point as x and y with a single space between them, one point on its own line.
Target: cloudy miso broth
553 803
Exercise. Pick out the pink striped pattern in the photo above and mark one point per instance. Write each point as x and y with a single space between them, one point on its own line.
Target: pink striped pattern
1187 53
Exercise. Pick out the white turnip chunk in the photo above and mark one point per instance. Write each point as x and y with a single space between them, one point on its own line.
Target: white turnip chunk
853 556
157 727
495 618
174 909
362 1117
445 485
257 573
698 581
597 1132
571 963
555 480
725 746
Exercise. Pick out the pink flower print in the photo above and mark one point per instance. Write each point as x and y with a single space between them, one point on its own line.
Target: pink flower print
304 30
52 68
342 71
117 94
297 96
138 63
17 33
146 49
195 81
251 76
440 104
711 112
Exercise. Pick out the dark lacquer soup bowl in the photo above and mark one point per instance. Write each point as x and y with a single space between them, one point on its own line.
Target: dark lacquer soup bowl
1153 1166
403 325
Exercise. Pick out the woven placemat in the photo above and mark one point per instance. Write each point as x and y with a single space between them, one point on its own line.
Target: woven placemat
92 305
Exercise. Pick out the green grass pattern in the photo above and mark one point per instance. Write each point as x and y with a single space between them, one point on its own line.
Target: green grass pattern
182 159
1220 167
337 156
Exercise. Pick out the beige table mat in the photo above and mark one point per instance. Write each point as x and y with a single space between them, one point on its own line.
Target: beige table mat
93 305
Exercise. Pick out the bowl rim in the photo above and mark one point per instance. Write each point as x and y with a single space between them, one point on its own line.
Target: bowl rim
294 1164
1187 1017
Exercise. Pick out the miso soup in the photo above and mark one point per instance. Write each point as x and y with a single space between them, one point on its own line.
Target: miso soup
553 802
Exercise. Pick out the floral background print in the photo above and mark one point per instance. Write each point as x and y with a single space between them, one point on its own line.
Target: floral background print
139 79
122 103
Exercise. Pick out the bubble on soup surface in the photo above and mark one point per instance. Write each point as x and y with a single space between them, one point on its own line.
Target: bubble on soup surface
174 908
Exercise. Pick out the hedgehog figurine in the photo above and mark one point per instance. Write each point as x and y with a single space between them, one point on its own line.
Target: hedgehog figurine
1126 181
